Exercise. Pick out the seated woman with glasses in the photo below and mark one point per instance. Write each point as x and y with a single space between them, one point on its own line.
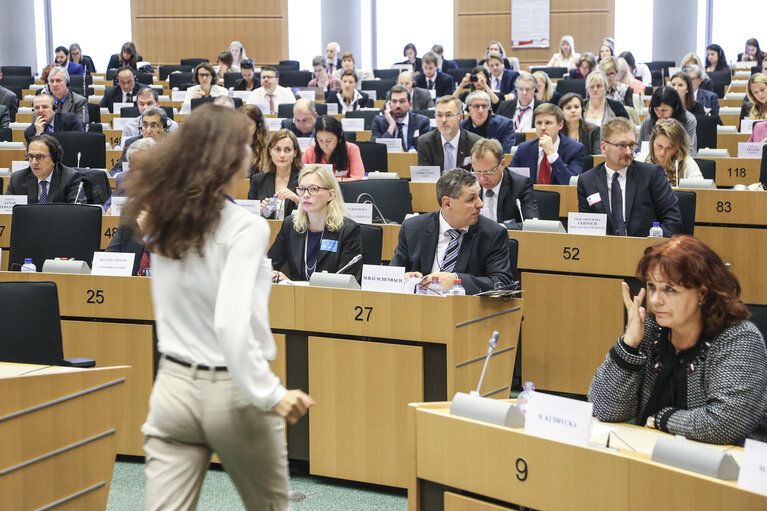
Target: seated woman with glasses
330 146
205 77
318 236
669 146
280 174
666 104
46 180
598 108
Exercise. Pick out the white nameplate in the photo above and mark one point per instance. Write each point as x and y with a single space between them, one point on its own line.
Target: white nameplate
432 123
433 93
305 142
19 165
242 94
332 108
592 224
115 264
117 106
8 201
178 95
747 125
393 145
424 173
522 171
264 107
753 469
383 278
118 123
311 95
274 124
750 149
360 213
353 124
373 95
254 206
117 205
558 418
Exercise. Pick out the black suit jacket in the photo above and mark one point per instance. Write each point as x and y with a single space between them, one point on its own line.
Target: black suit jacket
649 199
115 95
513 187
288 247
125 240
483 258
242 85
9 99
65 184
591 139
431 152
443 83
62 121
289 125
5 117
262 187
417 125
115 61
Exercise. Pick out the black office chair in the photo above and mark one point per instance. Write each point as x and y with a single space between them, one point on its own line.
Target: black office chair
551 72
90 146
569 85
111 74
6 135
71 230
687 209
290 64
192 61
145 78
22 82
16 70
231 78
285 110
386 74
707 168
94 112
94 127
588 162
29 313
293 78
380 86
428 113
372 241
200 101
706 131
181 80
374 156
350 136
763 170
95 185
459 73
164 71
132 111
368 115
77 82
720 80
759 317
548 204
466 63
513 257
391 196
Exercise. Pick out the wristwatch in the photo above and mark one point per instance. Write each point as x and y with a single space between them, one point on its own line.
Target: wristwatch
650 422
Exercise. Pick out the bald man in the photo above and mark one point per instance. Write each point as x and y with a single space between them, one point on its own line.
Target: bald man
304 117
421 98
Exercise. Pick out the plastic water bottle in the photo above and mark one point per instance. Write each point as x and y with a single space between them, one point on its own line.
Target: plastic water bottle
270 206
656 231
457 289
524 397
28 266
434 288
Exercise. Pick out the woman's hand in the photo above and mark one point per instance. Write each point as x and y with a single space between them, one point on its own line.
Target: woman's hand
293 405
287 194
278 276
636 316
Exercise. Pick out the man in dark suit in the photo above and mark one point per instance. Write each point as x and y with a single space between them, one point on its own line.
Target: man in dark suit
456 241
632 194
126 90
9 99
432 78
304 119
502 80
48 121
483 123
707 98
62 60
420 99
46 180
520 108
5 117
501 188
552 158
443 64
398 121
65 100
448 146
125 241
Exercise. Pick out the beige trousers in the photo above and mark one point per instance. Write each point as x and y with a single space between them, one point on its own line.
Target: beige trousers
193 413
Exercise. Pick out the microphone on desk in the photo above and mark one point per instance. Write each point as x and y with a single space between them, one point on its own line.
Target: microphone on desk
79 189
490 349
350 263
372 201
519 207
78 159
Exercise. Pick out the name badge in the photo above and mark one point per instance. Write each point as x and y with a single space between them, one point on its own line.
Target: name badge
117 264
753 469
558 418
591 224
329 245
594 198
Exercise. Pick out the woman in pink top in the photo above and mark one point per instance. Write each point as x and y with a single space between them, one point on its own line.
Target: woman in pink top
334 149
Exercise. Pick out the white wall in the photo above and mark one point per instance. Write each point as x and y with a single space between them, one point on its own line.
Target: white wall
304 34
633 28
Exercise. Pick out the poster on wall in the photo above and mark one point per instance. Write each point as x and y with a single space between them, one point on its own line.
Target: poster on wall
530 23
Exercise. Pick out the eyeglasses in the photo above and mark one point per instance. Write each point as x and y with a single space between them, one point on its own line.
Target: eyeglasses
38 157
479 106
203 75
623 147
313 190
486 172
449 117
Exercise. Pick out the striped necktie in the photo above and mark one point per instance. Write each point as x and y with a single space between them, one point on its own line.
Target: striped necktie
449 158
43 192
451 254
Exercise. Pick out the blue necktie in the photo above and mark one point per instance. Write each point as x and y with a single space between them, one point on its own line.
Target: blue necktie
616 204
449 159
400 133
43 192
451 254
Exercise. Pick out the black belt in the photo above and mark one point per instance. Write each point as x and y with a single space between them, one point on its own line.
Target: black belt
201 367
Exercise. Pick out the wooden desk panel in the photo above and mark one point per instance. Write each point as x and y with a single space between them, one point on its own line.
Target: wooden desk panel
424 197
730 141
10 155
401 163
730 207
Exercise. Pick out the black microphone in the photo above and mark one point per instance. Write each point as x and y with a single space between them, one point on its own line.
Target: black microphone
350 263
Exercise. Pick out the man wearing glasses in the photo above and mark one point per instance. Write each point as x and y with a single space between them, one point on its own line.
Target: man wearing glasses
631 193
448 146
507 198
153 123
46 180
398 121
520 108
483 123
47 120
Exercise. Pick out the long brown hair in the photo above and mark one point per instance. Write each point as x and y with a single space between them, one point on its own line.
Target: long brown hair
181 183
258 144
677 135
691 263
296 165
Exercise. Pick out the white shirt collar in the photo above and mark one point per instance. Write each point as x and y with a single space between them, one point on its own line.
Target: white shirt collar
453 141
444 226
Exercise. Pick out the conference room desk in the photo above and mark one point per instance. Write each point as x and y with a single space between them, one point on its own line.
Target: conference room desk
362 357
401 162
459 464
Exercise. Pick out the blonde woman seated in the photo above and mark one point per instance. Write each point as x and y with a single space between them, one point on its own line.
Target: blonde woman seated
756 106
544 90
238 55
318 236
625 76
566 56
616 90
598 108
669 148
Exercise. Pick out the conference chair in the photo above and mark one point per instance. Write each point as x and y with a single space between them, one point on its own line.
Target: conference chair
95 185
663 65
145 78
192 61
290 64
22 82
513 257
6 135
428 113
78 82
759 317
70 230
29 313
588 162
707 167
720 81
374 156
686 201
386 74
466 63
367 115
293 78
132 111
111 75
94 112
94 127
458 74
381 87
578 86
551 72
372 241
391 196
89 146
181 80
199 101
548 204
350 136
16 70
231 78
706 131
763 170
165 71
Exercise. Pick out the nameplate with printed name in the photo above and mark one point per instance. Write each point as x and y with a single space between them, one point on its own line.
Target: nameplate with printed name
393 145
118 123
254 206
388 279
116 107
332 108
353 124
274 124
114 264
8 201
591 224
117 205
558 418
305 142
424 173
750 149
311 95
19 165
360 213
242 94
753 469
747 125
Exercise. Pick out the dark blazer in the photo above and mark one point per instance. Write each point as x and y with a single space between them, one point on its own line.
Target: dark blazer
508 107
9 99
513 187
75 69
649 199
569 163
332 97
262 187
115 61
616 106
443 83
125 240
591 139
709 100
508 81
500 128
65 184
420 98
483 258
5 117
289 125
415 123
74 103
123 156
447 65
431 152
288 247
63 121
115 95
241 85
